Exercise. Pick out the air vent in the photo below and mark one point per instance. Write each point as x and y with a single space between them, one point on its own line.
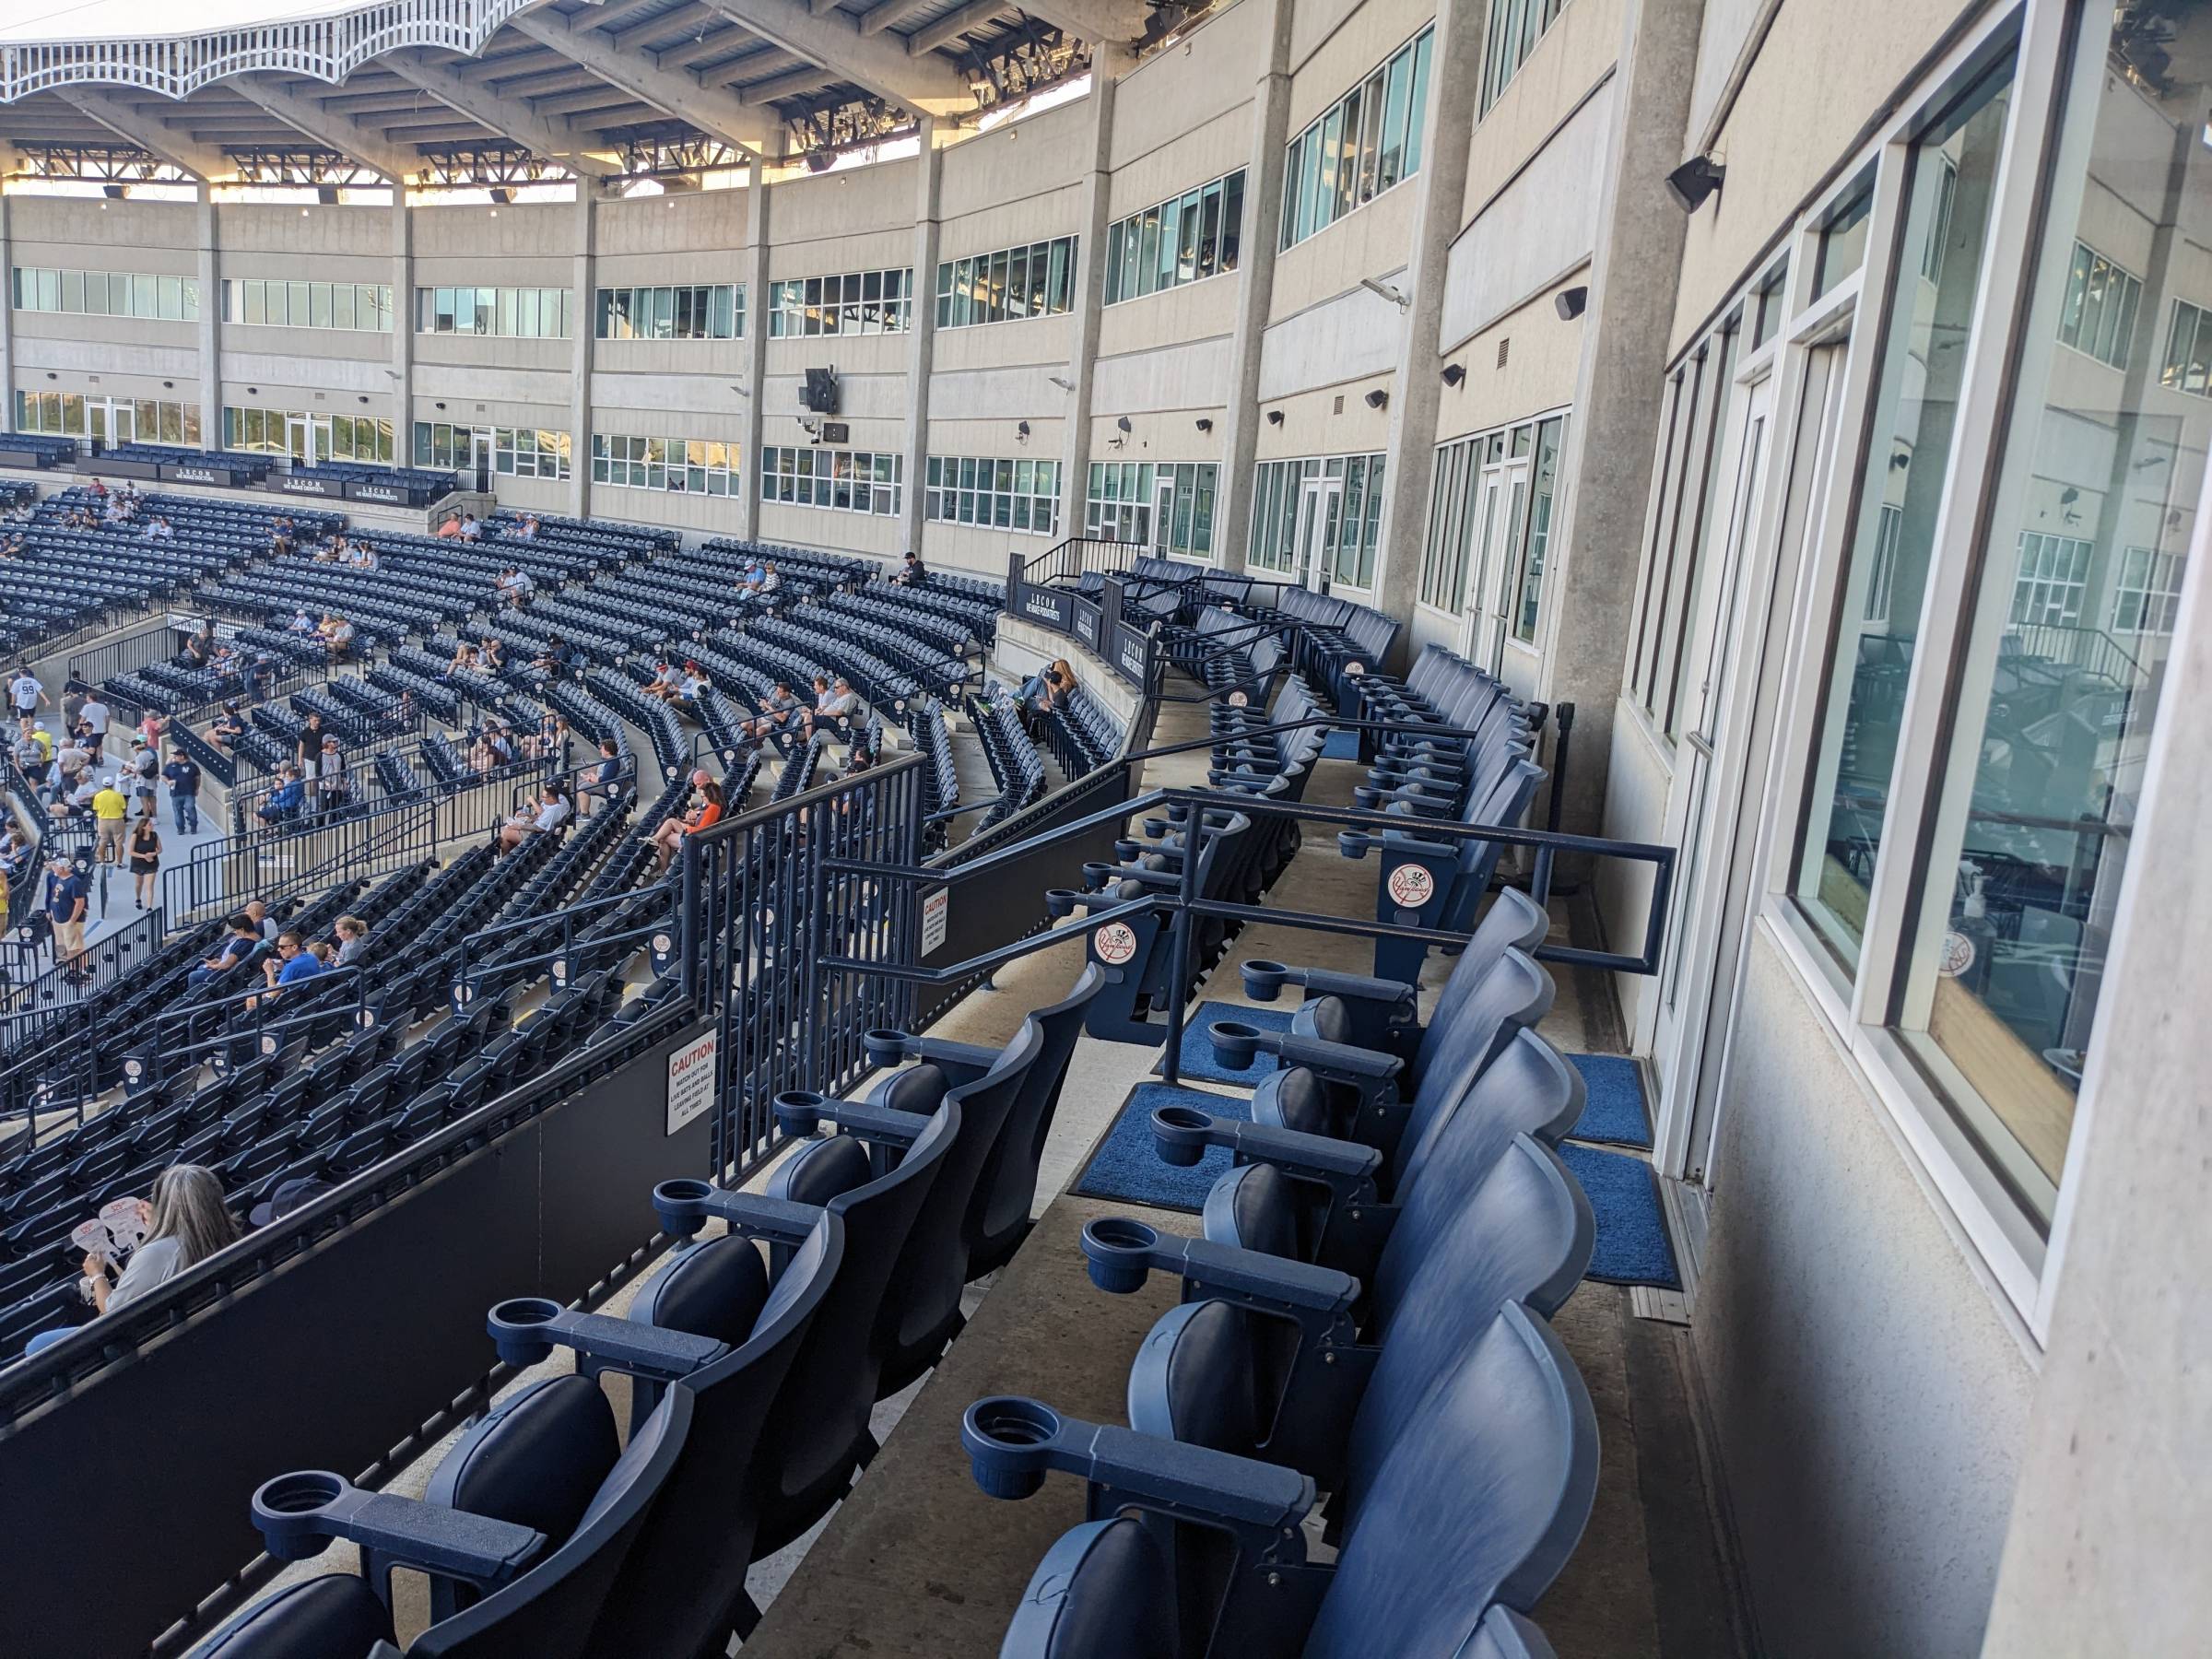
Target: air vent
1504 346
1339 408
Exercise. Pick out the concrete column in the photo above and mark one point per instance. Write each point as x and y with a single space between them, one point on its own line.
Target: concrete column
1606 469
1255 290
2104 1553
928 185
1416 390
1108 64
210 333
584 313
7 326
402 370
756 343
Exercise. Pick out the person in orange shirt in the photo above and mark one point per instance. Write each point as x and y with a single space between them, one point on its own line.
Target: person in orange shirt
706 812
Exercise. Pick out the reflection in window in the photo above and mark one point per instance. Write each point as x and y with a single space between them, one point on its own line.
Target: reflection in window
2099 315
1362 144
1539 529
841 479
2188 365
1194 235
996 493
2052 711
1166 506
1335 503
1036 279
1843 247
1953 168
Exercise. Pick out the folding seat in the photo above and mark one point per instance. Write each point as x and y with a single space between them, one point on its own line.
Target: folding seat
1136 951
1476 1501
923 1306
1334 1200
816 1436
1271 1357
1357 1011
525 1525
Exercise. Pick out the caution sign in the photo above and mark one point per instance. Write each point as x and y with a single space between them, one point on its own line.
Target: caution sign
1411 886
936 910
1115 943
690 1079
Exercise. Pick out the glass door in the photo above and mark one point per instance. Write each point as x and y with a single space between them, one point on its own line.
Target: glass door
299 440
1501 513
1163 511
480 457
1321 503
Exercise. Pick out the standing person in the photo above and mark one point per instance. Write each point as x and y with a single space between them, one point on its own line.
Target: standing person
182 773
146 857
29 753
307 750
95 716
110 807
333 787
145 772
29 695
67 897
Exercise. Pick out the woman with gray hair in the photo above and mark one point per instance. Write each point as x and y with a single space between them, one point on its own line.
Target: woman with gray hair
185 1222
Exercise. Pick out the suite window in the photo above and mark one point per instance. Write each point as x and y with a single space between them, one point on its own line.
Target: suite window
698 311
1842 246
1515 27
853 302
2188 365
2048 717
1916 407
839 479
1166 506
110 420
1034 280
1194 235
1022 496
305 437
2098 317
255 301
1317 515
674 465
105 293
507 312
515 452
1361 146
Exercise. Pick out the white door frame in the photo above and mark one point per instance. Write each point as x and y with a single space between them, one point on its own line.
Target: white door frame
1311 560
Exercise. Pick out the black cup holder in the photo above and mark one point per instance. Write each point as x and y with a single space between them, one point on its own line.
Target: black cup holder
885 1047
287 1508
800 1110
1179 1134
1119 1249
1005 1435
682 1206
513 1326
1263 981
1235 1043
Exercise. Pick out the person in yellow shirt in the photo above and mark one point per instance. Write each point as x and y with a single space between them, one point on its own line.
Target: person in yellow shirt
44 738
111 807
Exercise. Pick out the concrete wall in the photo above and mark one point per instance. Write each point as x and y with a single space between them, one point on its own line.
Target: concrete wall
1870 1399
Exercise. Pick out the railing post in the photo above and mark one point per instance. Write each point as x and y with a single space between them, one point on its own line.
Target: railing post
687 928
1193 830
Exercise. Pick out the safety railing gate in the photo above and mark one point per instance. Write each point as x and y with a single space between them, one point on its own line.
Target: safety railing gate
762 903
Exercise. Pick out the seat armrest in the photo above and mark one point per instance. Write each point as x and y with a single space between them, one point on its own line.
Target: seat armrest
1012 1443
1181 1135
888 1048
526 1329
1124 1252
801 1112
299 1514
1236 1044
685 1206
1263 982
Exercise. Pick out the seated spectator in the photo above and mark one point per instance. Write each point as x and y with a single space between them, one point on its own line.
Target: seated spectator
779 712
472 529
529 528
662 683
449 530
337 637
491 655
832 709
302 623
286 800
229 727
15 849
689 685
549 743
550 815
607 778
514 585
199 650
186 1221
704 813
480 756
556 659
910 573
353 940
464 657
500 735
770 584
292 963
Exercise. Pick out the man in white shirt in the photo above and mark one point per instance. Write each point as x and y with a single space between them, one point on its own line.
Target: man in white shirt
95 714
28 695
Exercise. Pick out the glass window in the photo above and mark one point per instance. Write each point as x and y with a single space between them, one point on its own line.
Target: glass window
1862 702
1546 484
1843 245
2052 715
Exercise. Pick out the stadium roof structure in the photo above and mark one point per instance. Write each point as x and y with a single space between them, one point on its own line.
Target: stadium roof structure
496 90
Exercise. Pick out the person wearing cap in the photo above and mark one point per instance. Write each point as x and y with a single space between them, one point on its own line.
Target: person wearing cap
779 712
68 896
662 683
293 1195
27 755
110 808
95 717
910 573
145 768
688 685
551 811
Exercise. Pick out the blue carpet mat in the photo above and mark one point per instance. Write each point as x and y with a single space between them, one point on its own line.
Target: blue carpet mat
1198 1057
1613 1112
1340 746
1127 1164
1632 1245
